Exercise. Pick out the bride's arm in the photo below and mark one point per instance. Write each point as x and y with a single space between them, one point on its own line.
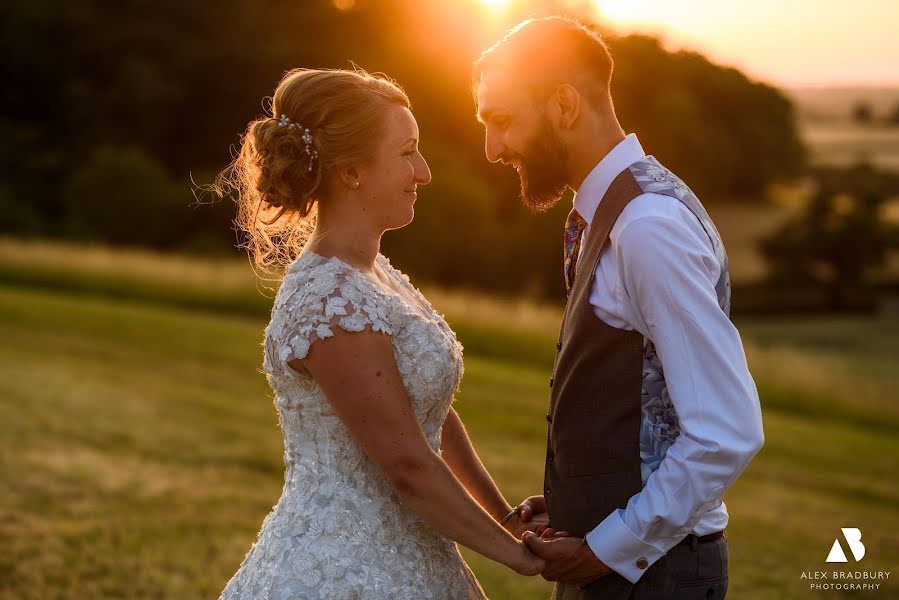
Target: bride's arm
462 458
460 455
358 374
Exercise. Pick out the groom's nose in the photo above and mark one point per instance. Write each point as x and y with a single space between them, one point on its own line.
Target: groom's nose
493 147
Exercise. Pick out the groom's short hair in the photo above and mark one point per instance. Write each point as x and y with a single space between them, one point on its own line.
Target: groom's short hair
550 51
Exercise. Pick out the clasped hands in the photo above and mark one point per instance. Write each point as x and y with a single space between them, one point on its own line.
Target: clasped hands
568 559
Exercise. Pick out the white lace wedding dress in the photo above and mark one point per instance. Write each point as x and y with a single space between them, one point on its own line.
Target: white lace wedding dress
339 530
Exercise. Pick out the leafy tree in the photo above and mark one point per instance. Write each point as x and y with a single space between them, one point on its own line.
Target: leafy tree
893 119
175 83
862 113
122 196
840 239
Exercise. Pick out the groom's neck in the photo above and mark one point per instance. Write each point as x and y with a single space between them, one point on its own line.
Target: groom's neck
594 139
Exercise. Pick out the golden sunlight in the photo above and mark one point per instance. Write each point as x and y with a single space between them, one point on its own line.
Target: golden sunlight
628 12
495 4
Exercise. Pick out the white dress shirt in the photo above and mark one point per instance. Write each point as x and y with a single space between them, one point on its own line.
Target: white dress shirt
657 276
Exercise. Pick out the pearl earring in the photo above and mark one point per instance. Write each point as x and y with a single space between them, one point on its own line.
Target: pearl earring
356 185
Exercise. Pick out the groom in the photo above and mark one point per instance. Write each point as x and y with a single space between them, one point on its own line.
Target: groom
653 413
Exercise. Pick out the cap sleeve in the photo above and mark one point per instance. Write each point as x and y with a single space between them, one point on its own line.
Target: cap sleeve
312 303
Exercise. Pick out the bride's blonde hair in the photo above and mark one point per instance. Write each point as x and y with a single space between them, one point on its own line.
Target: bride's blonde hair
276 183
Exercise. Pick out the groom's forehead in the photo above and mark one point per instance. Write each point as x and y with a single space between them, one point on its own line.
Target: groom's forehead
497 91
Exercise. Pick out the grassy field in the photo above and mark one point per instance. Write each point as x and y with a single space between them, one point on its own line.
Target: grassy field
139 449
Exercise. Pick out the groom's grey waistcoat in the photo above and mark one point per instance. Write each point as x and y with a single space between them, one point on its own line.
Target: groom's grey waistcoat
610 417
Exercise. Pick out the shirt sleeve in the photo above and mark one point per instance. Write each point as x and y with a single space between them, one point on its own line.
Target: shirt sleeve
669 274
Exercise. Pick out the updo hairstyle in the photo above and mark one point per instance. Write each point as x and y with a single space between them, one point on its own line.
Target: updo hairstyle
278 178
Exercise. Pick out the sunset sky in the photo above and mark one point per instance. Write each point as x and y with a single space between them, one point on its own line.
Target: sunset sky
793 43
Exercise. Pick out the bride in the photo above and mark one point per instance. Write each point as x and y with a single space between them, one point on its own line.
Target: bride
381 478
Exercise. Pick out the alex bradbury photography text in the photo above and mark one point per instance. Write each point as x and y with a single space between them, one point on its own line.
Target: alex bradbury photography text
845 580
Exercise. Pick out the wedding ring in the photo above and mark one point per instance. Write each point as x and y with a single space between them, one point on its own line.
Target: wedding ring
512 513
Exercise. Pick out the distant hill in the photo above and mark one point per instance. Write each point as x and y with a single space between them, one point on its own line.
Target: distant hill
835 139
837 102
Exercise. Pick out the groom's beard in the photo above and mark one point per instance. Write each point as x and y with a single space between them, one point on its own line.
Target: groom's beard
542 171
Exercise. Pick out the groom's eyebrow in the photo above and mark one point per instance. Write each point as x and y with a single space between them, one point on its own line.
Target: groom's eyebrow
491 114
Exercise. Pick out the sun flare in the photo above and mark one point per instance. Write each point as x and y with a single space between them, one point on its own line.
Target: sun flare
495 4
626 12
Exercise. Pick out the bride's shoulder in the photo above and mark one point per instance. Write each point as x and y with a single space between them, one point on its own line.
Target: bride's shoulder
388 266
313 280
318 294
318 275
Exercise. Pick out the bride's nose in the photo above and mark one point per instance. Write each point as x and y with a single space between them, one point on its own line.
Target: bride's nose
422 172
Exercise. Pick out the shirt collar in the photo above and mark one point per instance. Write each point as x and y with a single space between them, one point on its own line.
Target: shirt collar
596 184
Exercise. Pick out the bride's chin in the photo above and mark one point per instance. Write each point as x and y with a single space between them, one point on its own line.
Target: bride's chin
401 222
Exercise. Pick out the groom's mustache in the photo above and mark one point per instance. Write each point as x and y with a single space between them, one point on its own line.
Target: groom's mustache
512 161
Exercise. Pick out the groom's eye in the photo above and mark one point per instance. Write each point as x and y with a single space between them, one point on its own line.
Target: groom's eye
501 122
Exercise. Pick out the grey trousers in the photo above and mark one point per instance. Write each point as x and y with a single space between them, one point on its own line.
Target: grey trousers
688 572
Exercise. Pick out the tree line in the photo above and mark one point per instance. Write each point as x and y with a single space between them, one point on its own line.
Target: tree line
113 111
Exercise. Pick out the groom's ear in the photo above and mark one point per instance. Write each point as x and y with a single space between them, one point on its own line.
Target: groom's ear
565 105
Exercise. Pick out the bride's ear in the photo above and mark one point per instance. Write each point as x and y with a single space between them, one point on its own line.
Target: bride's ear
349 176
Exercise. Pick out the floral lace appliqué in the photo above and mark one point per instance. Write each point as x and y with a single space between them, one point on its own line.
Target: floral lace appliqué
339 530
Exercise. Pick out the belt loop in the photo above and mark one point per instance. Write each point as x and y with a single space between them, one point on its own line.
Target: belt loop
694 542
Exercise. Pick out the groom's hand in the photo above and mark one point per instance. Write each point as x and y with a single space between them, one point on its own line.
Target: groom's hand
568 559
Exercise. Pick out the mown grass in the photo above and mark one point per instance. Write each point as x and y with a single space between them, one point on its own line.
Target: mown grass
140 449
215 285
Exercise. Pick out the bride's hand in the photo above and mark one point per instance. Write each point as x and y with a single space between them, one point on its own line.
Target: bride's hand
538 523
526 562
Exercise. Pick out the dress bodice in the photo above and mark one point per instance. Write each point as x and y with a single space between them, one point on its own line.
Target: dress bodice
339 529
319 294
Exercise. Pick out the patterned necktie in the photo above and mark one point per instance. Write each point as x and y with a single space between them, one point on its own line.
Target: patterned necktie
574 227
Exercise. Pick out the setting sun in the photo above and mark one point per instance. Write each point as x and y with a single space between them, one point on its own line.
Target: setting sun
495 4
631 11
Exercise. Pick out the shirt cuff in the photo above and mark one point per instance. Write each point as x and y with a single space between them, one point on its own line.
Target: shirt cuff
619 549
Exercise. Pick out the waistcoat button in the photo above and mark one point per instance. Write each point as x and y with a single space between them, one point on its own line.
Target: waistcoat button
550 455
549 418
559 345
551 382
